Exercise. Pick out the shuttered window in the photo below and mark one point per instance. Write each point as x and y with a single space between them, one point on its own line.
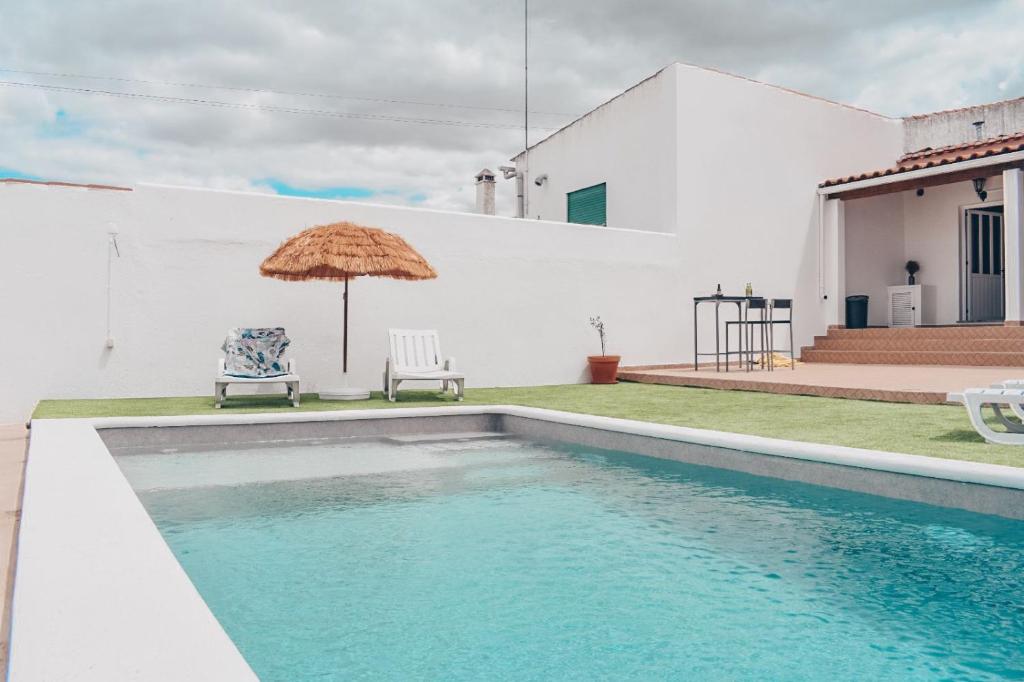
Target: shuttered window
588 206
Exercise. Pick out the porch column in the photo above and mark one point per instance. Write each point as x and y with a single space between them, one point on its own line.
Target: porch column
1013 221
834 261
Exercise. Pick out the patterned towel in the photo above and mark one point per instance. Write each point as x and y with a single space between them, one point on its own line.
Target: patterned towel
254 353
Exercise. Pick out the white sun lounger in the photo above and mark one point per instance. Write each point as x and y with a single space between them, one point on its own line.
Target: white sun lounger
1016 384
255 355
415 355
974 399
290 380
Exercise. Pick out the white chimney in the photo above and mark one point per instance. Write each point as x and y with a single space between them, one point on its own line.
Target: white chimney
485 192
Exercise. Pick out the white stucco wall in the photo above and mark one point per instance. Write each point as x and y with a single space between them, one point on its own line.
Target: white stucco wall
875 251
932 237
511 302
729 164
750 157
627 143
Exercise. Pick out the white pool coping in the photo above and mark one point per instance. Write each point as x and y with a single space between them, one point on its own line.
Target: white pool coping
99 595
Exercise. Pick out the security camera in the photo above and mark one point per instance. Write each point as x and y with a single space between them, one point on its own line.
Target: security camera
540 179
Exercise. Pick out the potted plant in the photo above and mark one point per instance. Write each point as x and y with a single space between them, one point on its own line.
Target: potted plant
604 368
912 268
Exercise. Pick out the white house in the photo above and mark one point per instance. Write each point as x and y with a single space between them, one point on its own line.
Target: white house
804 198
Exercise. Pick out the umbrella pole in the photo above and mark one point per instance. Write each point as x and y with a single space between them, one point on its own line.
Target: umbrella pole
344 392
344 333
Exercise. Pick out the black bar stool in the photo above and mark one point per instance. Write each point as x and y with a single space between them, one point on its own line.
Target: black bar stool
779 304
746 330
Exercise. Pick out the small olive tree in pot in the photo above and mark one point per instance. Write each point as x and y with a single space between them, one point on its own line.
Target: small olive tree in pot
604 369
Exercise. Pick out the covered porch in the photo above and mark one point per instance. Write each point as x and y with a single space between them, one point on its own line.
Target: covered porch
957 212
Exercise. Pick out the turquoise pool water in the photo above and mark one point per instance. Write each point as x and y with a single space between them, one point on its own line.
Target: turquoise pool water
501 559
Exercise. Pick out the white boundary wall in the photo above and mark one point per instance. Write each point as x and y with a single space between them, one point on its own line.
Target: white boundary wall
511 302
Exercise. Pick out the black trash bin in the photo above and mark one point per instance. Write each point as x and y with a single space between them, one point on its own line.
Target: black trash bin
856 311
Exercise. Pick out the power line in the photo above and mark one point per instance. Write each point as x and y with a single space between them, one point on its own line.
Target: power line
270 91
261 107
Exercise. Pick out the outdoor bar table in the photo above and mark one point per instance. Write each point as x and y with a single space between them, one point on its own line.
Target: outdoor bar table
718 301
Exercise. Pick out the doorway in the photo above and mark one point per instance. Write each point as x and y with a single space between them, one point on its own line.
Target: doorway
983 254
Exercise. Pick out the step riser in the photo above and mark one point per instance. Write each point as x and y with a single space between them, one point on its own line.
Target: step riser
914 358
941 345
928 333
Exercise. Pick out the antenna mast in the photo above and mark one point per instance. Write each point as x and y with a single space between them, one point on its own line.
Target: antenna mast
526 103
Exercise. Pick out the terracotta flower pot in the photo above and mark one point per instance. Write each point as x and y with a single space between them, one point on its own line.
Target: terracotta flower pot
604 369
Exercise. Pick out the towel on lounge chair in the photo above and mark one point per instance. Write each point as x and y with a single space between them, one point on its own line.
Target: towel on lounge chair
255 352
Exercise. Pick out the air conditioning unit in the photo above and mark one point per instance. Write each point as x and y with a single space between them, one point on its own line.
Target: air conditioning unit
905 305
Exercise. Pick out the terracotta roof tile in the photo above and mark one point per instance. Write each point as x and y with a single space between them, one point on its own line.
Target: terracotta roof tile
928 158
54 183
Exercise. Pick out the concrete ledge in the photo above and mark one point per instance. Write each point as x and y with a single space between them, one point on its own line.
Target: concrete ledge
98 595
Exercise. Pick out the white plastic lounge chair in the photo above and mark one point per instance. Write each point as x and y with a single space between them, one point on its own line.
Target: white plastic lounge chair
974 399
415 355
1017 409
255 356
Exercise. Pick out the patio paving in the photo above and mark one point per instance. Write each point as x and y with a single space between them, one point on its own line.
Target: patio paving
13 443
923 384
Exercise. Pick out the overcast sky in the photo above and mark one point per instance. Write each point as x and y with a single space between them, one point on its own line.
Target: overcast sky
454 61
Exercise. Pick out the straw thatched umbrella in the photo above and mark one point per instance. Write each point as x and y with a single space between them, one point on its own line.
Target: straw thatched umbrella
341 251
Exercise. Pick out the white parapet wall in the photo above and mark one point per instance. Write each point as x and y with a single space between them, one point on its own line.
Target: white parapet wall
511 302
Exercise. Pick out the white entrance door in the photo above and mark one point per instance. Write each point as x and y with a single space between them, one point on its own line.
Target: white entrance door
983 248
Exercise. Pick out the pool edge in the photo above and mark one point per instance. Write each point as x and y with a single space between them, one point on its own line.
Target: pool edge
76 443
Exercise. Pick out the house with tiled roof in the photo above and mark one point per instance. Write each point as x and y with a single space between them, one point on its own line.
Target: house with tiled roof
804 198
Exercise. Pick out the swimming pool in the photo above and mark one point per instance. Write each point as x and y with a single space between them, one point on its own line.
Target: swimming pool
479 556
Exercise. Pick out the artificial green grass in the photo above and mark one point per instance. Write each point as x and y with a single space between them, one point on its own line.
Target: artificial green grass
934 430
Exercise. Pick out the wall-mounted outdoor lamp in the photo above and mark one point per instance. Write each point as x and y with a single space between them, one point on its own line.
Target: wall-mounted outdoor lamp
979 188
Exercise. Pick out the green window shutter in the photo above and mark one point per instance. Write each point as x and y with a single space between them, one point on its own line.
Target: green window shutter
589 205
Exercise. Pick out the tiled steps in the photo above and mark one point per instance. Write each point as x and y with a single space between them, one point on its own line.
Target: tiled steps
914 358
978 346
962 332
905 344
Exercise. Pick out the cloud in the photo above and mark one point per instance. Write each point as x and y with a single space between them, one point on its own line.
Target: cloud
895 58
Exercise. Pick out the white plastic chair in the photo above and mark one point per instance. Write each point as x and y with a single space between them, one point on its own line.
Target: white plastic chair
974 399
415 355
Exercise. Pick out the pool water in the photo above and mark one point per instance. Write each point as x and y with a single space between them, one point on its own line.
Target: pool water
496 558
